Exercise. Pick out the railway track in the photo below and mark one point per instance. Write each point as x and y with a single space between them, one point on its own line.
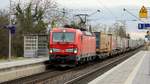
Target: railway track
87 77
78 75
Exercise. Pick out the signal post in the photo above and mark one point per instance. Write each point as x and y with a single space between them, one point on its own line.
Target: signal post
143 15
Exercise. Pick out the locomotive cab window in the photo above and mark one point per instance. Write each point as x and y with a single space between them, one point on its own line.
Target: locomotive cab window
63 36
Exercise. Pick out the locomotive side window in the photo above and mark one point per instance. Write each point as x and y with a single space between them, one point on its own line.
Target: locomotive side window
63 37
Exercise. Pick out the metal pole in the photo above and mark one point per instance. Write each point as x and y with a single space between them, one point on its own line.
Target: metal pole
10 32
9 45
147 45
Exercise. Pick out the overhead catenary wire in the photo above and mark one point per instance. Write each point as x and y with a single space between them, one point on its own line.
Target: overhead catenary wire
75 11
132 14
108 9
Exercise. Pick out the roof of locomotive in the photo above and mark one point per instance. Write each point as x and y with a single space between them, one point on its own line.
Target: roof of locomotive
65 29
72 30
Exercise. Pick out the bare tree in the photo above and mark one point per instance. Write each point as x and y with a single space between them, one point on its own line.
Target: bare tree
4 20
31 18
118 29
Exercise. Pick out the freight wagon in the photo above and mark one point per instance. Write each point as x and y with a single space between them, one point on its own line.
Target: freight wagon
102 44
113 45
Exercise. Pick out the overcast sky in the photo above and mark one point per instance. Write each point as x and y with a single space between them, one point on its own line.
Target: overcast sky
111 10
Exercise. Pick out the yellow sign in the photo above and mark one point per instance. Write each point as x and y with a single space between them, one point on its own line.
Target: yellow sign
143 12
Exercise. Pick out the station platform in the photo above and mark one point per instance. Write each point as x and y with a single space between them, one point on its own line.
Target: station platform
15 63
15 69
135 70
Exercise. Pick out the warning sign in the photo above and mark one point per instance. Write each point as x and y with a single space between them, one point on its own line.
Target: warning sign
143 12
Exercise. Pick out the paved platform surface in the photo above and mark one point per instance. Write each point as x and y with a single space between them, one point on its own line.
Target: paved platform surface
28 61
21 68
135 70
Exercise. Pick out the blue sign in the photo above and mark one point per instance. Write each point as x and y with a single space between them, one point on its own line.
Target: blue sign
12 28
143 25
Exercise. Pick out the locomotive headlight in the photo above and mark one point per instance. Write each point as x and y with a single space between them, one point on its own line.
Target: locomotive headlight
69 50
75 50
56 50
72 50
51 51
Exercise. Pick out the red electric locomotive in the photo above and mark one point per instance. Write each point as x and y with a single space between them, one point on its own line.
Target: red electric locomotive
69 46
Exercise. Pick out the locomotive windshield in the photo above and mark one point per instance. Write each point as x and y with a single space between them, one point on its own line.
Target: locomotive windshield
63 37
